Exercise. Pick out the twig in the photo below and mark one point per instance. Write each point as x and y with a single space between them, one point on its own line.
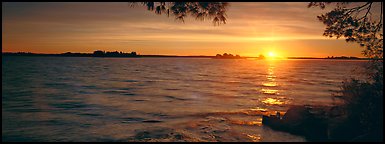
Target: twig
370 6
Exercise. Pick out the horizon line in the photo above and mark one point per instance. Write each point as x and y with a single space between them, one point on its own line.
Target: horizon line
288 57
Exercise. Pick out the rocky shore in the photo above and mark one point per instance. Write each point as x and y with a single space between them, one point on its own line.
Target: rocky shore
319 123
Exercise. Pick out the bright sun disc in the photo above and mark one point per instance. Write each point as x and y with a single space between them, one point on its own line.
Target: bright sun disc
271 54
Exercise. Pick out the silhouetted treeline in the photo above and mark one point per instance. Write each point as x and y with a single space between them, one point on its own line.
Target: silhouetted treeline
227 56
39 54
97 53
342 57
75 54
100 53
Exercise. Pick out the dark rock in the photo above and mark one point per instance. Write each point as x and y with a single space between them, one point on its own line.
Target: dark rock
323 123
344 129
300 121
336 111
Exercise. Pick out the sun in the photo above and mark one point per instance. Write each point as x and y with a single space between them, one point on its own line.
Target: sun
271 54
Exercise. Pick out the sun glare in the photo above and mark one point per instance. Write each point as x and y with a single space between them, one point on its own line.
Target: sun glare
271 54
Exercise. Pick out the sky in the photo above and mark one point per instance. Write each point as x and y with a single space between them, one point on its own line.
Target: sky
252 28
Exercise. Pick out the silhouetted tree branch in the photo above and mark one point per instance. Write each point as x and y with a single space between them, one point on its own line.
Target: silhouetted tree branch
355 24
215 11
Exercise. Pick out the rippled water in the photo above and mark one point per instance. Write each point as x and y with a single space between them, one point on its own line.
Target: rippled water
158 99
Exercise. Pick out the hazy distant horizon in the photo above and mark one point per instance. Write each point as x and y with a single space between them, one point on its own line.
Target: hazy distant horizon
189 55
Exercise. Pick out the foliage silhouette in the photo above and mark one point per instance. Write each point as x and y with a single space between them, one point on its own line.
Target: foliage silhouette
363 99
200 10
227 56
261 56
100 53
356 24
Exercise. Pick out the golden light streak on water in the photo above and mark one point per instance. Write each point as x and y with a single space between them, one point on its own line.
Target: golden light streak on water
254 138
272 101
270 91
257 122
270 84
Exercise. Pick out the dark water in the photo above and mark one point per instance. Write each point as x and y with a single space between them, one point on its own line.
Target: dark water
158 99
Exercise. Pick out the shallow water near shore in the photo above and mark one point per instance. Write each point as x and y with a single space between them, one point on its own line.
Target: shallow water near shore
159 99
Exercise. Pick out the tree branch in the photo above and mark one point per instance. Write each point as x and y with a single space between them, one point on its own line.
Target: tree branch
380 22
358 7
369 7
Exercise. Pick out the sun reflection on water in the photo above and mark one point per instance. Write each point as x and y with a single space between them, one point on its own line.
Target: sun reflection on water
255 138
270 81
259 109
270 84
272 101
255 122
270 91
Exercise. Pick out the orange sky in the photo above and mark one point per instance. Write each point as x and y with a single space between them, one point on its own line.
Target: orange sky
288 29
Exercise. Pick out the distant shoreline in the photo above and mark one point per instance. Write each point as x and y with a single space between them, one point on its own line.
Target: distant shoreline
158 56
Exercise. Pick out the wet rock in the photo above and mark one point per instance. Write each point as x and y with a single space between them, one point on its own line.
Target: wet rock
335 111
322 123
300 120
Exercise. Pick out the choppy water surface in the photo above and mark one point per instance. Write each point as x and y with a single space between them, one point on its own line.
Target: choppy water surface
158 99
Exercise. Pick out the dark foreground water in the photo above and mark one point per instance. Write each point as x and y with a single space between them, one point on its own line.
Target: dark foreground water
158 99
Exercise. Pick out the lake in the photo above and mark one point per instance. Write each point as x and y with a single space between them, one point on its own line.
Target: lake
159 99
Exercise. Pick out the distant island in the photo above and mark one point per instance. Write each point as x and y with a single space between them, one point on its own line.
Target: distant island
342 57
100 53
97 53
228 56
